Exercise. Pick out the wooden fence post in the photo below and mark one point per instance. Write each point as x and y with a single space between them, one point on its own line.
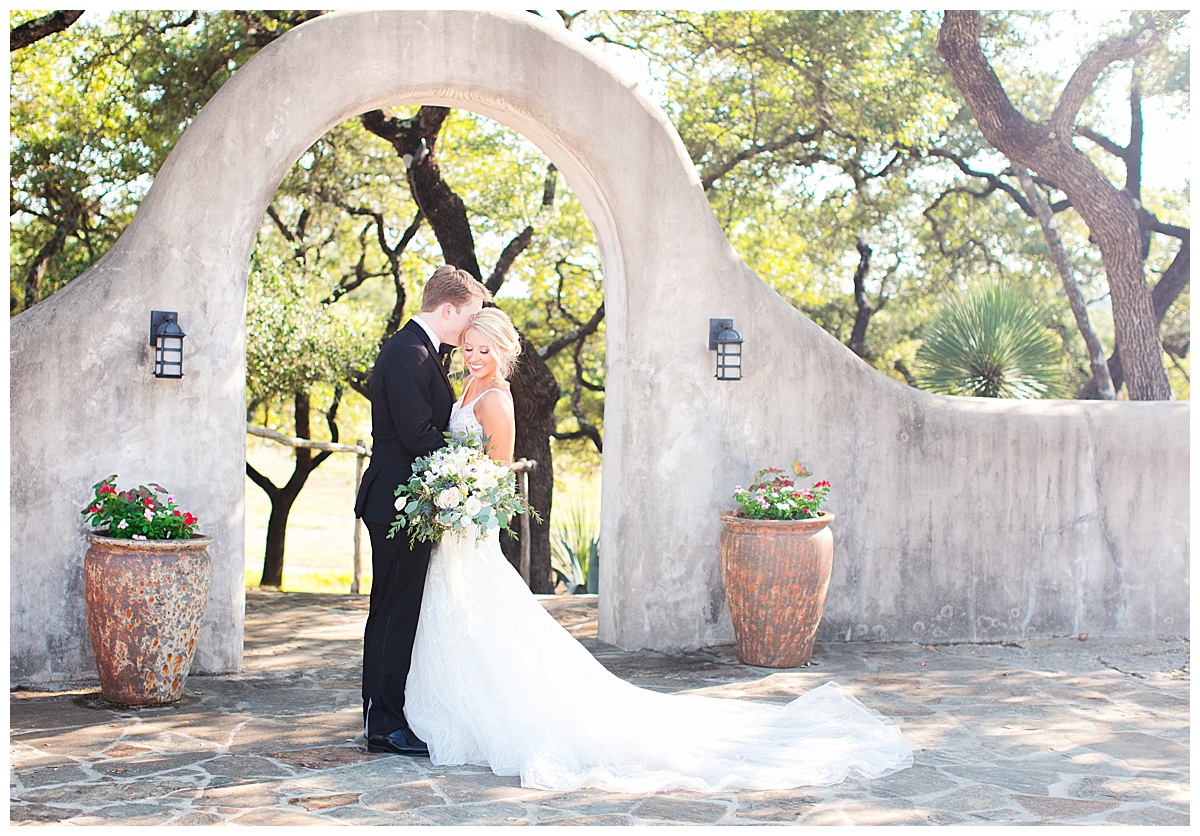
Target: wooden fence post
356 584
525 559
522 467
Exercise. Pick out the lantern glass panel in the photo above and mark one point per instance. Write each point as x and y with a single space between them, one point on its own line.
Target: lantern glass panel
729 361
168 357
729 354
167 339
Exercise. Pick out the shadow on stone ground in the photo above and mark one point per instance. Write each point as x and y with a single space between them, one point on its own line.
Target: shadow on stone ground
1054 731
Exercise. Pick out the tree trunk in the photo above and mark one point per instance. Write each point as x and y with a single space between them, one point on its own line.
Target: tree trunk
534 389
1174 279
1095 349
414 140
283 498
37 269
862 318
1046 147
281 507
535 392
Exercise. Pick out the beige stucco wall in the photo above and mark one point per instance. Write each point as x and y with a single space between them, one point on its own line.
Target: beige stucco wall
957 519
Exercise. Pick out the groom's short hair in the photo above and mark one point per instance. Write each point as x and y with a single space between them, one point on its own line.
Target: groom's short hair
449 284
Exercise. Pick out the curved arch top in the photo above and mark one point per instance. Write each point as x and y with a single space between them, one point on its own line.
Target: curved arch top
930 540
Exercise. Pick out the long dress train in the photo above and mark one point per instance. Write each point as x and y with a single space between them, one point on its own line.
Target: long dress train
496 682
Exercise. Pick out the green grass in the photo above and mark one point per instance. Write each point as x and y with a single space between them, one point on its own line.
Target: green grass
319 552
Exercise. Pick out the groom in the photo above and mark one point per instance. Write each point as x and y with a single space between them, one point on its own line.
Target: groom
411 398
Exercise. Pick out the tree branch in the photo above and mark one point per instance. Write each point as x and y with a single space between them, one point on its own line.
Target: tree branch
58 239
1066 272
414 141
1180 232
993 181
1137 131
32 31
1101 140
586 427
728 165
1082 80
258 34
516 246
262 481
522 241
574 334
15 206
280 225
864 309
587 431
958 44
360 273
187 21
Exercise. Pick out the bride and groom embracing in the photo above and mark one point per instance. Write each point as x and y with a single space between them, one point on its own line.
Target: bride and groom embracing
461 662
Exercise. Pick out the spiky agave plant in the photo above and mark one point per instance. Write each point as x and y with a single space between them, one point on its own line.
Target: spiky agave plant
575 545
989 342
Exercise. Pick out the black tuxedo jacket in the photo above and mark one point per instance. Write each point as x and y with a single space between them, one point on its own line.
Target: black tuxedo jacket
411 399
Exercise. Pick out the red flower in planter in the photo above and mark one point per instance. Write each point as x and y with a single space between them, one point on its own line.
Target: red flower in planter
147 513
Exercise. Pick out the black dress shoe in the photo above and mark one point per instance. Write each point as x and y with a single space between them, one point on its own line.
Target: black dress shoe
400 742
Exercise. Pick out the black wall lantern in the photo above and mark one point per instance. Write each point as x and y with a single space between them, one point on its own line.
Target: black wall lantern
167 338
728 345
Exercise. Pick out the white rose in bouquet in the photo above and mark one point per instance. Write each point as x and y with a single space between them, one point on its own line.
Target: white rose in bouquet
472 507
449 498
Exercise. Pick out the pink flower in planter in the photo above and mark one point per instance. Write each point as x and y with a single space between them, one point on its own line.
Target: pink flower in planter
776 496
137 510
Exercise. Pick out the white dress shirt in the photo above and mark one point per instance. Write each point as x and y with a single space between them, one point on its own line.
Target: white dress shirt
437 344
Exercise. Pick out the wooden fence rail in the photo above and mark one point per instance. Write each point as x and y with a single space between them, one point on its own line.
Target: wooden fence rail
521 467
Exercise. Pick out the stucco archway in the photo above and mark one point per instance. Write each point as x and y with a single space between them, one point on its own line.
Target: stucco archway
932 542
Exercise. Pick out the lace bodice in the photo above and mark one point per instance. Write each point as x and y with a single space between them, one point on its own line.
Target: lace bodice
463 420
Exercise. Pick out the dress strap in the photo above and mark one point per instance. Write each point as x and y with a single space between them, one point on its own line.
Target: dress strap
475 400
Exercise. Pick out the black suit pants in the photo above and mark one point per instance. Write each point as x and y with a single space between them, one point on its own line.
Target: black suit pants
397 584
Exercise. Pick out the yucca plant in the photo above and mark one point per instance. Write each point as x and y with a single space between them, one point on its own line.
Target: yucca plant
575 547
989 342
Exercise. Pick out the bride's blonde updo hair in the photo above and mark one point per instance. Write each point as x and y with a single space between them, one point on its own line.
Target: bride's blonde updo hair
501 338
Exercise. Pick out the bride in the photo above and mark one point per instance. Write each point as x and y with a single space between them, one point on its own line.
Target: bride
496 682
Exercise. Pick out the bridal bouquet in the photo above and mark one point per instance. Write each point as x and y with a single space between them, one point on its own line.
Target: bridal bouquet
458 488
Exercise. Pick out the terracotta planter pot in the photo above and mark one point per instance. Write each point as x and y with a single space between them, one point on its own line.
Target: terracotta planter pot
776 574
145 602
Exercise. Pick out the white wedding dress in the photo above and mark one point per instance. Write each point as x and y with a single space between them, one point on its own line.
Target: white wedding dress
496 682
